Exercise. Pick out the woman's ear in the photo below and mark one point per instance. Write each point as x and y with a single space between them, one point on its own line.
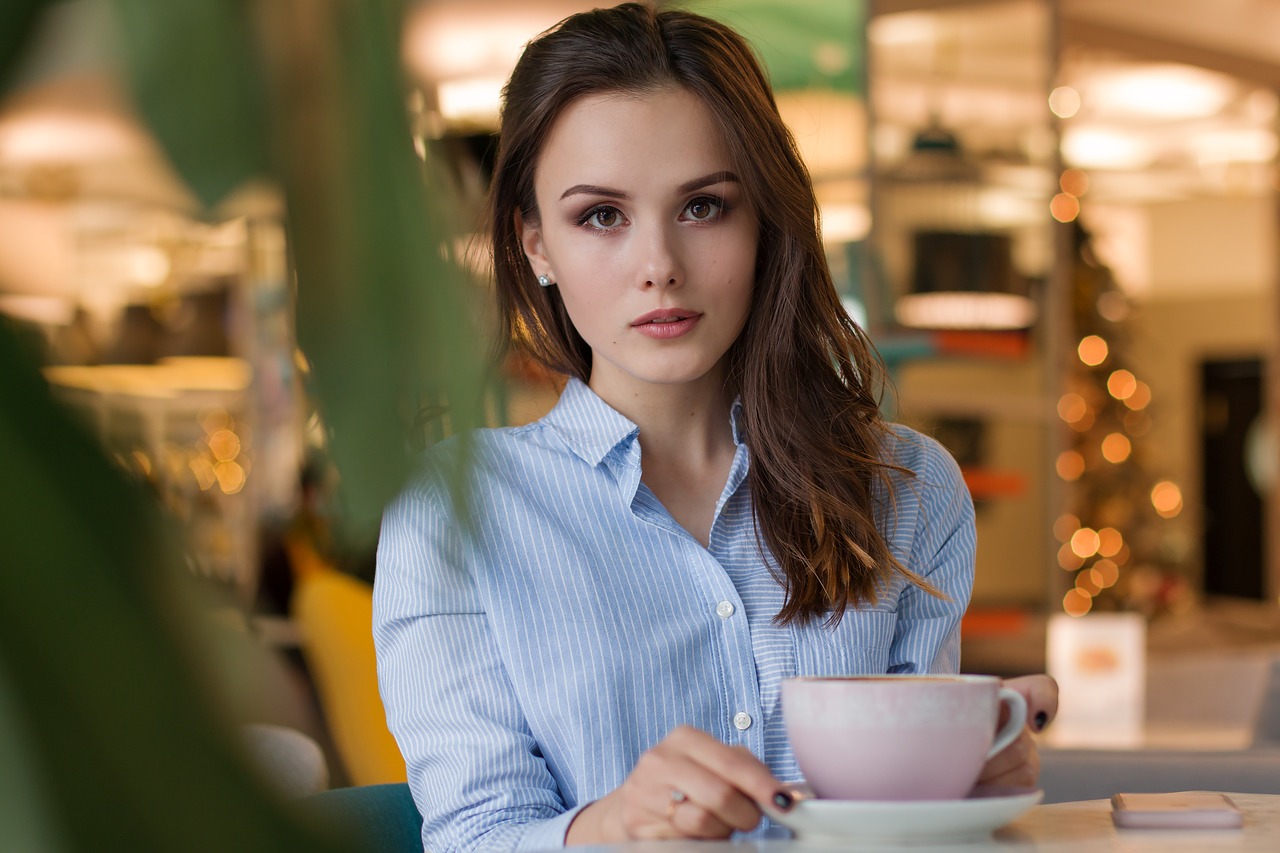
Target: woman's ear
530 236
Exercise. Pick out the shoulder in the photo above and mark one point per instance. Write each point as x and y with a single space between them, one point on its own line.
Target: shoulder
482 454
929 462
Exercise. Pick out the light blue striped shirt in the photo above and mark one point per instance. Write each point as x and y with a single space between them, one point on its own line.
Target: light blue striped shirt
527 665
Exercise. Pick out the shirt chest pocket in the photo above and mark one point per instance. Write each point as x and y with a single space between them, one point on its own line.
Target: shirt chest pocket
859 645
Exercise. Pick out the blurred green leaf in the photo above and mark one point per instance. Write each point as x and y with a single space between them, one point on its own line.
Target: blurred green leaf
100 651
195 76
383 316
16 26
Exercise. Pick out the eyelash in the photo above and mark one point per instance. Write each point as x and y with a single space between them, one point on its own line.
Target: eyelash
584 220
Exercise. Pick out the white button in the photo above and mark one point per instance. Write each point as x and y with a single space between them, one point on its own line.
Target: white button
724 609
742 721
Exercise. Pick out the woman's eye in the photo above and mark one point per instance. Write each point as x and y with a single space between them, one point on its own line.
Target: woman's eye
603 217
704 209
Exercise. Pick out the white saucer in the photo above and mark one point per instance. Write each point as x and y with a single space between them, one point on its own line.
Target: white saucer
976 816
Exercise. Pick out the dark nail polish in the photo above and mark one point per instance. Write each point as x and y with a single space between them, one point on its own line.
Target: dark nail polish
1042 719
783 800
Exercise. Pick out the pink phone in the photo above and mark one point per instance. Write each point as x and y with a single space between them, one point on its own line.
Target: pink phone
1183 810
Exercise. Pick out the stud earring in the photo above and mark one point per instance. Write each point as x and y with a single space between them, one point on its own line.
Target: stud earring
545 280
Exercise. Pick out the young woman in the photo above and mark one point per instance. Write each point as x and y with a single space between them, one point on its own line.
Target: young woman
591 649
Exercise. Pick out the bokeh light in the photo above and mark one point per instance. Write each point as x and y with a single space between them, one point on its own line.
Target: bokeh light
1122 384
1116 448
1077 602
224 445
1093 350
1084 542
1064 207
1110 541
1064 526
1064 102
1070 465
1140 397
1068 559
1072 407
1166 497
1108 573
1087 583
231 477
1074 182
214 419
1113 306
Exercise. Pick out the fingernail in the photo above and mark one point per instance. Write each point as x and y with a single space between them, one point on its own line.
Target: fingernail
783 800
1042 719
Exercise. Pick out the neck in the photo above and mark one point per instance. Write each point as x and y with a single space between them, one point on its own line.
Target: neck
686 423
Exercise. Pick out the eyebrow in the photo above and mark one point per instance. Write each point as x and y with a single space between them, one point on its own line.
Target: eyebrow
686 187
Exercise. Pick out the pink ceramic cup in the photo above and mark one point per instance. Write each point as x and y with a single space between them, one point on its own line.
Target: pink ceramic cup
897 737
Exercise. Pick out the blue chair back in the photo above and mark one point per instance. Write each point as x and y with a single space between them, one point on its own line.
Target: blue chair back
377 817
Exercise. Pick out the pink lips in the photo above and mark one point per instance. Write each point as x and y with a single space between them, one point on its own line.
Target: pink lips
666 323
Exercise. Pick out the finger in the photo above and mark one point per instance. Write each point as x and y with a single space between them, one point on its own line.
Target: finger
717 795
691 820
1016 764
1041 693
736 765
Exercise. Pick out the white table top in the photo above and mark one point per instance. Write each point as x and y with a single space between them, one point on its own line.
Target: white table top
1083 827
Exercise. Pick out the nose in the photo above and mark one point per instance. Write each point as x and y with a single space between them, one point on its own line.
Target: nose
660 262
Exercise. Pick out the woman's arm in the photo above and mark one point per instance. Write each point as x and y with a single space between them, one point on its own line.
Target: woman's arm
936 509
475 768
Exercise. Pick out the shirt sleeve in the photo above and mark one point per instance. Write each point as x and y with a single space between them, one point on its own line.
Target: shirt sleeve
474 767
943 551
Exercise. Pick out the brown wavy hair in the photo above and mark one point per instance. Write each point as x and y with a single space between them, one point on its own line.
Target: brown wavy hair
809 379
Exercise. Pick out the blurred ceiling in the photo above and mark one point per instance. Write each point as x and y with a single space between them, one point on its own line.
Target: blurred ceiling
67 130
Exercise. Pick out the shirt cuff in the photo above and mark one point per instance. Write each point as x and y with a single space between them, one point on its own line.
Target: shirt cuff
549 834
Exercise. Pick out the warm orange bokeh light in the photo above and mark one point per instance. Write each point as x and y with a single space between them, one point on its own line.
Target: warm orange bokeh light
1116 448
1064 207
1109 541
1072 407
1064 526
1122 384
1070 465
1140 397
1166 497
224 444
230 476
214 419
1076 602
1084 542
1093 350
1087 583
1108 573
1074 182
1067 558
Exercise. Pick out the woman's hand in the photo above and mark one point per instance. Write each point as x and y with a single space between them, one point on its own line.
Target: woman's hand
688 786
1018 764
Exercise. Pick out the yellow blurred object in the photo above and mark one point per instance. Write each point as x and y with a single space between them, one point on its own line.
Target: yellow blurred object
334 615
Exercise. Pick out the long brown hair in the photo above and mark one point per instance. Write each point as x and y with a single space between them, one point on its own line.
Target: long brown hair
809 379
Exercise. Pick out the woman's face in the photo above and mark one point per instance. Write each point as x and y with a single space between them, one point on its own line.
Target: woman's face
648 235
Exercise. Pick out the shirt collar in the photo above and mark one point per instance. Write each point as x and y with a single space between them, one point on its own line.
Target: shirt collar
594 429
589 425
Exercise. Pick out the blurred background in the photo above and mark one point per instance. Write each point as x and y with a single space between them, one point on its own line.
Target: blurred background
1056 218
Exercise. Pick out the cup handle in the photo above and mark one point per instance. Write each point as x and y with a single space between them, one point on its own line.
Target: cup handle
1013 726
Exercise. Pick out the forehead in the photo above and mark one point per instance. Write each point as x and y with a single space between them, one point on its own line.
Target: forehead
632 140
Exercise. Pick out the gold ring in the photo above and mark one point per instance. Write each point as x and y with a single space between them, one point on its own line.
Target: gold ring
677 797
